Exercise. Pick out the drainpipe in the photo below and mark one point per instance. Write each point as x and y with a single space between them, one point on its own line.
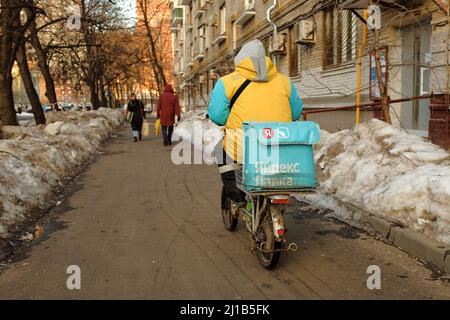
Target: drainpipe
274 26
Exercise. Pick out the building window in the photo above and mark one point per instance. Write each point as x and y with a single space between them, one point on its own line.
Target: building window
208 36
339 34
201 39
212 27
222 20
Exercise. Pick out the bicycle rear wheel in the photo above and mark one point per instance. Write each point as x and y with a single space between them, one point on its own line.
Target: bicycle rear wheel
267 254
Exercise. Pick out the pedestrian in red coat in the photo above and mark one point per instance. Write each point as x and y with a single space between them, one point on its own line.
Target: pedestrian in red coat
168 108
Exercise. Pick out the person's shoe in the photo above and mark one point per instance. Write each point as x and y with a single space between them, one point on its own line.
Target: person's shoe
140 137
135 139
170 143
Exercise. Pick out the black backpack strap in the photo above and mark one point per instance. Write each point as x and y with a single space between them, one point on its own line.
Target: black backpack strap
238 92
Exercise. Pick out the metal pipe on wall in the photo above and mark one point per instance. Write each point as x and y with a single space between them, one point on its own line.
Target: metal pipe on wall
274 26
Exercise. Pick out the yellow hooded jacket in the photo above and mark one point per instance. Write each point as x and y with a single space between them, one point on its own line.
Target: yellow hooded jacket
270 97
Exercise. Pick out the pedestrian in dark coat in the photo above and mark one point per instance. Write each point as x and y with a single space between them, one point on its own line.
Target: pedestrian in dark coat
137 108
168 108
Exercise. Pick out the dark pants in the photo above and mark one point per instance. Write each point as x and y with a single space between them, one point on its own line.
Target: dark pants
167 134
228 175
136 126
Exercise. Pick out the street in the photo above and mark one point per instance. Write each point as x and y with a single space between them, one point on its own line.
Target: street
140 227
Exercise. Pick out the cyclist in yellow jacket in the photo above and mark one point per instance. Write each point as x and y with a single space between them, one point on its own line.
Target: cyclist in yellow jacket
265 95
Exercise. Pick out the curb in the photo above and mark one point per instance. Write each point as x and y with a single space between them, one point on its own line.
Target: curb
416 244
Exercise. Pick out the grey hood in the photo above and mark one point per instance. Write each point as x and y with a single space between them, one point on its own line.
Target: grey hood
257 70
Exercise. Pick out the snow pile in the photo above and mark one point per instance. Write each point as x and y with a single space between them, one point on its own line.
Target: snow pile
35 160
200 131
387 172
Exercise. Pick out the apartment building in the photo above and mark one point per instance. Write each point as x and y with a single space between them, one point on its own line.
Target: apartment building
317 45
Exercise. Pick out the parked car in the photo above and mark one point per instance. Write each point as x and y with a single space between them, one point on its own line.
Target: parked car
25 117
66 107
46 108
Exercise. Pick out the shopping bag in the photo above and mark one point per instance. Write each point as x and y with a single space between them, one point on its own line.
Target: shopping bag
146 129
130 116
157 127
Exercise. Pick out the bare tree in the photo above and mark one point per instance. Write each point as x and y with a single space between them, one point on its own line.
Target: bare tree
155 17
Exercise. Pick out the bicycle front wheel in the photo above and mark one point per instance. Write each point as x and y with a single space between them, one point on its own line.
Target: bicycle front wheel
229 220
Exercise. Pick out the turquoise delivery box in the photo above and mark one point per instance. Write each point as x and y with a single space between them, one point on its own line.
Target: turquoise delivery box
279 155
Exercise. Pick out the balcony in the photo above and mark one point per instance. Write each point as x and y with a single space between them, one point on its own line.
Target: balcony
177 16
201 9
199 52
220 39
198 14
247 14
199 56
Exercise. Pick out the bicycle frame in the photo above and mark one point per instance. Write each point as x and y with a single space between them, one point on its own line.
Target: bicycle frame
260 202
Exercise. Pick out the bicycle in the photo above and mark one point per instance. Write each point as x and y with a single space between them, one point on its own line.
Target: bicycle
269 183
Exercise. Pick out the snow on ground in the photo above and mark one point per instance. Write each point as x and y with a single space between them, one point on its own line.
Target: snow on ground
36 160
388 172
195 122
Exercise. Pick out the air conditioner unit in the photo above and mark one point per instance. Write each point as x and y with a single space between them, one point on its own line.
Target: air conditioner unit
279 45
306 33
249 5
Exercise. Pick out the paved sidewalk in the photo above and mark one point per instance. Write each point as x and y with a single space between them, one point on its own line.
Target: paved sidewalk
140 227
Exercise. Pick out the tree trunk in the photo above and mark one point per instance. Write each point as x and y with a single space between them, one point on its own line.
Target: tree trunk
42 63
41 54
21 58
92 80
110 96
7 111
7 55
94 95
103 94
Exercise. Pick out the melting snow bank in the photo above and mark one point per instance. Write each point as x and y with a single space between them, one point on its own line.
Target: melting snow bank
388 172
200 131
36 160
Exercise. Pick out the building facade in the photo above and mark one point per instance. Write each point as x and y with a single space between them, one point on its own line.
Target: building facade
318 45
